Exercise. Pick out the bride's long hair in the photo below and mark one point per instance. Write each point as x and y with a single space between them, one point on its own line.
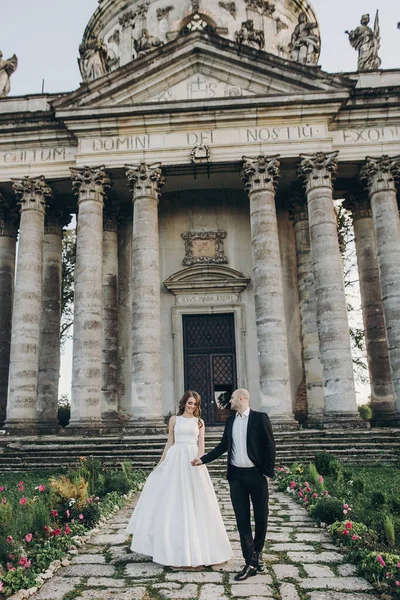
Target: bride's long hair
182 404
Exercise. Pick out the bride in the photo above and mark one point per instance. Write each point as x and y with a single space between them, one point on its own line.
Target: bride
177 520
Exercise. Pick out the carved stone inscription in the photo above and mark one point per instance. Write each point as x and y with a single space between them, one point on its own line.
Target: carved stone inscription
368 135
207 299
37 155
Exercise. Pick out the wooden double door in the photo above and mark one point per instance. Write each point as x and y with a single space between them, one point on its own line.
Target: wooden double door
210 362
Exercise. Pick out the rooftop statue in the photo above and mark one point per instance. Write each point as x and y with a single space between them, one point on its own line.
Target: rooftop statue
367 42
305 46
250 36
145 43
7 68
93 61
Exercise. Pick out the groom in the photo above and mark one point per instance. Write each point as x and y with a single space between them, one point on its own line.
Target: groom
250 444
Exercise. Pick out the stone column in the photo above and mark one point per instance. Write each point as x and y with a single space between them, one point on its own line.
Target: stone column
380 175
24 356
90 184
8 240
146 181
372 308
125 316
333 328
50 351
261 175
308 313
109 409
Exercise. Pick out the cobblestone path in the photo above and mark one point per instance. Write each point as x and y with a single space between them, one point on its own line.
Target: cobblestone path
301 564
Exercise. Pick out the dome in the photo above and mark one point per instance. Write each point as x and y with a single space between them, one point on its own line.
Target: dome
120 30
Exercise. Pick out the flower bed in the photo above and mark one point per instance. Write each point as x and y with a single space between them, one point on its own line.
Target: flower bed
41 518
361 508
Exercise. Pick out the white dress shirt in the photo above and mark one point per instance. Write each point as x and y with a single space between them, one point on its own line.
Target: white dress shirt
239 457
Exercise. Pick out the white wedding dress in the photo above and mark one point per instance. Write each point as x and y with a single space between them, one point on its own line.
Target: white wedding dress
177 520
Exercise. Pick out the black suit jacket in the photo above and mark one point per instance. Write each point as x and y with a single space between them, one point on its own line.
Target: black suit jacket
260 444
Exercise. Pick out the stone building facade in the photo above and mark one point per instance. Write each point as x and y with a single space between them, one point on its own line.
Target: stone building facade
201 156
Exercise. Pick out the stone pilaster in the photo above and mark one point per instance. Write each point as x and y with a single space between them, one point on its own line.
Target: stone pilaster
90 184
8 240
340 408
109 409
32 194
308 312
261 176
50 352
372 308
125 316
380 175
146 181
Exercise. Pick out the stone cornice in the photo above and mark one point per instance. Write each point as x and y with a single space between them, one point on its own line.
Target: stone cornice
32 193
381 174
206 279
90 183
318 170
145 180
260 173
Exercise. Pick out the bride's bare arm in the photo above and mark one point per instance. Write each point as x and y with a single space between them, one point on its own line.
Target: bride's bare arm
202 431
171 439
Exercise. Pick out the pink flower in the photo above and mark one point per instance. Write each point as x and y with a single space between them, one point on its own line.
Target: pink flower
354 537
41 487
22 561
4 500
27 564
9 539
56 532
398 565
345 512
1 586
89 500
22 501
345 506
292 485
398 583
10 567
28 537
315 495
349 525
388 575
380 560
2 488
81 517
326 493
320 479
67 513
67 530
54 513
345 532
301 494
72 520
45 528
21 486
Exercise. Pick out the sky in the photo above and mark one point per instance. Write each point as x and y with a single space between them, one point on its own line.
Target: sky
45 36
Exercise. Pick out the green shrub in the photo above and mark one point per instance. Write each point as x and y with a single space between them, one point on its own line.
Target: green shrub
389 529
377 500
327 464
327 510
116 482
91 514
358 486
365 412
40 516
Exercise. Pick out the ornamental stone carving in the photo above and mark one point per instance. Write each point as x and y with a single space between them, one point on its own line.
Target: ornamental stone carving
90 182
7 68
32 193
367 43
305 46
93 59
126 19
249 36
204 248
163 12
230 7
381 173
9 216
263 7
260 172
145 180
145 43
318 170
200 154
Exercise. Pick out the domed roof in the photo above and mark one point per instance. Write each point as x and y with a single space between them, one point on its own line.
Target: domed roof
120 30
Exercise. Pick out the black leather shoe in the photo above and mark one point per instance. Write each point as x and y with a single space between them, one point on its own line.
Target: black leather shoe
247 571
260 563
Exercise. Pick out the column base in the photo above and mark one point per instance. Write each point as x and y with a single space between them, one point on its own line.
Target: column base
84 427
47 428
386 419
21 427
111 424
344 421
315 421
145 427
284 422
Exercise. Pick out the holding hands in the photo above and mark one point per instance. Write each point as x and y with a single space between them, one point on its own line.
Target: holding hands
196 462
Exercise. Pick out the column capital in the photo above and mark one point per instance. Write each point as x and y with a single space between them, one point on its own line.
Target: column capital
32 193
90 183
9 216
318 170
380 174
56 218
145 180
297 207
260 173
358 203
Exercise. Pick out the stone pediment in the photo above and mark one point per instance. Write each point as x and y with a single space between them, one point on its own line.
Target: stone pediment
203 279
201 66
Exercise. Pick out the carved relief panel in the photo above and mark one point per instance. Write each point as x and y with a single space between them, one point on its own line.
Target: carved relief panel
204 247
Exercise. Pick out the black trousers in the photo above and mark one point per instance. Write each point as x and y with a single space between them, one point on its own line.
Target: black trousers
246 485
